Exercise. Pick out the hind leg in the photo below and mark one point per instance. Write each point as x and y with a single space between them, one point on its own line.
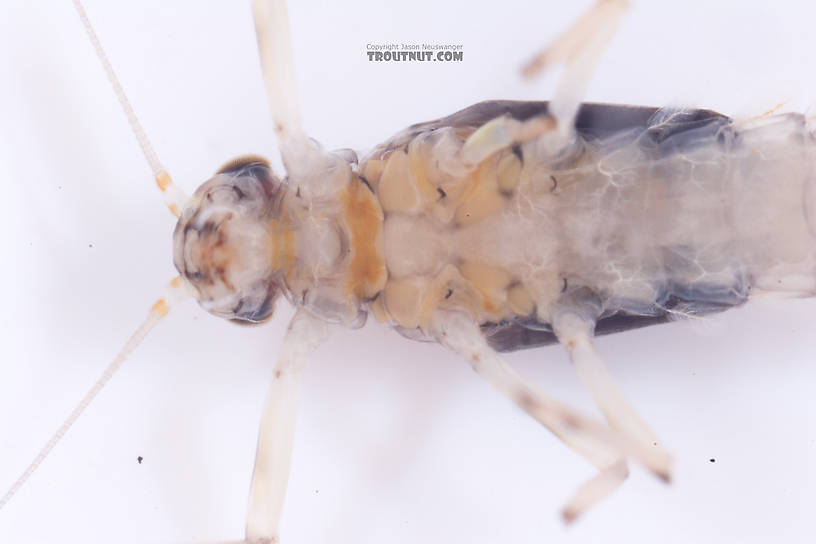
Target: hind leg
575 334
574 331
603 447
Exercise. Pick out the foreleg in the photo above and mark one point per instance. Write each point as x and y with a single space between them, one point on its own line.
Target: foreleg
274 450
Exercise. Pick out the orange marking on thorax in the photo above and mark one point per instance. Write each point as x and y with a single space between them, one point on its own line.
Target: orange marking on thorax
364 217
283 244
488 304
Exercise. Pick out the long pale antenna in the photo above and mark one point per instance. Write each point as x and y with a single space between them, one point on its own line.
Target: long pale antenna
175 292
174 197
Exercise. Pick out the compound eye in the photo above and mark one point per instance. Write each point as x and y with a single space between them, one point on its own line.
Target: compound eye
259 303
254 308
245 162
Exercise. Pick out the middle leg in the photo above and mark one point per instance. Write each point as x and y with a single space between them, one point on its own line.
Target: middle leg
580 49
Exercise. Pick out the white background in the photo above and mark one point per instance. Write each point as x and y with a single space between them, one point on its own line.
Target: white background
397 441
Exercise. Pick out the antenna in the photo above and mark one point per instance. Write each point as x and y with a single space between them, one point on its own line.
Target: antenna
174 197
175 292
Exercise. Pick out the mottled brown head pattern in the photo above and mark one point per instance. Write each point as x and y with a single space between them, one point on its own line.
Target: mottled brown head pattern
223 245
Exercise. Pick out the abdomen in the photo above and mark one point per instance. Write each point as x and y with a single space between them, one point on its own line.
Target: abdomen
655 213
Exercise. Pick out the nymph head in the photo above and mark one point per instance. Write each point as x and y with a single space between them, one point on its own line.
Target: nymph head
225 244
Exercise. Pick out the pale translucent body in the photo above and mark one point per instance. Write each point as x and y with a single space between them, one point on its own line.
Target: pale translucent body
338 368
712 213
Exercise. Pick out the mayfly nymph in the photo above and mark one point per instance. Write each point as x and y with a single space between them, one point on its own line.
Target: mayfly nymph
504 226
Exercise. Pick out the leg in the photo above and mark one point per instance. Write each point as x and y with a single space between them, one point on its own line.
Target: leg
311 169
602 446
579 48
595 490
575 334
275 50
504 132
273 454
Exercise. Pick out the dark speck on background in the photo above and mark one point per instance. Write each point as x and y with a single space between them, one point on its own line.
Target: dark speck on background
140 459
712 460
